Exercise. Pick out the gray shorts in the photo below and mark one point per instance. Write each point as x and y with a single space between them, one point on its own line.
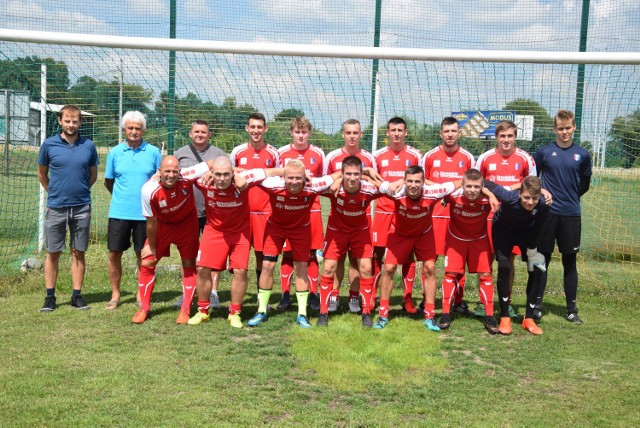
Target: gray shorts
78 219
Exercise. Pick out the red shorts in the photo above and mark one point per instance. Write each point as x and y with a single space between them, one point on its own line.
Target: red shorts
217 246
299 239
184 235
381 225
258 223
440 232
400 247
357 243
475 253
317 234
515 251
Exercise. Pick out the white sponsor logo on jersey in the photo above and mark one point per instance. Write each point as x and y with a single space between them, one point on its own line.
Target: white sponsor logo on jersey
492 167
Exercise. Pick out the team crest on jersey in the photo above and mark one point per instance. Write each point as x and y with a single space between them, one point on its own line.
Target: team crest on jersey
237 193
280 198
408 163
162 203
492 167
243 161
385 162
436 163
211 194
184 192
576 157
534 212
340 202
268 162
517 166
312 161
461 164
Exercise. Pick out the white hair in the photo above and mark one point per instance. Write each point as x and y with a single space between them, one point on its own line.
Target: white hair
134 116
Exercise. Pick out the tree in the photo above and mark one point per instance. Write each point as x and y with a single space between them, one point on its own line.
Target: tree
24 74
542 121
625 131
287 115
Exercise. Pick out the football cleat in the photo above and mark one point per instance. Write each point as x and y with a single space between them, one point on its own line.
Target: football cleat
257 319
198 318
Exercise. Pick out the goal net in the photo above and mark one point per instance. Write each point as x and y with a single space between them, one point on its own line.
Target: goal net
329 78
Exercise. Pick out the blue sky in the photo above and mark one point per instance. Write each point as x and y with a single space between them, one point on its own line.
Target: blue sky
329 91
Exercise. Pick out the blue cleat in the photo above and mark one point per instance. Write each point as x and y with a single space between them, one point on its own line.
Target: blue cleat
303 322
431 324
381 323
257 319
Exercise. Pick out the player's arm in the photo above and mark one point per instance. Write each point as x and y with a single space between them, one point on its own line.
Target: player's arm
43 176
585 183
394 189
152 233
321 183
493 201
373 174
93 175
108 183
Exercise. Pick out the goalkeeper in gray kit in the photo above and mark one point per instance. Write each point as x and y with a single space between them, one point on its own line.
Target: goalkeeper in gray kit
518 221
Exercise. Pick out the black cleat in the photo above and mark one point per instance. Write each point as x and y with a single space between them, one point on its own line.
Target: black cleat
323 320
573 317
49 304
285 301
491 324
463 309
314 301
367 322
444 322
78 302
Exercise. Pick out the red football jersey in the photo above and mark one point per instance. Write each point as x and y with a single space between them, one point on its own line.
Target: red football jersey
172 205
333 162
506 170
468 219
312 157
392 165
349 211
245 156
290 211
414 217
440 167
228 210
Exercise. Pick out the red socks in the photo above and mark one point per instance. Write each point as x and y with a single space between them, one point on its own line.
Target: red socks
188 287
383 310
408 278
234 308
313 271
366 291
461 281
485 290
286 271
448 288
146 282
326 286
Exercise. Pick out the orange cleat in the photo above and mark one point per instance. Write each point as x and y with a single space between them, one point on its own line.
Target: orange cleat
505 326
183 317
409 306
140 316
530 325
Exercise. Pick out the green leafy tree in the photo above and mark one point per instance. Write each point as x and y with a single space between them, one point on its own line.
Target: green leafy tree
24 74
625 132
542 122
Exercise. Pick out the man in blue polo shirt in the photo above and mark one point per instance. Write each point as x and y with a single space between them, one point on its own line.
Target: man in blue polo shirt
129 165
67 168
565 169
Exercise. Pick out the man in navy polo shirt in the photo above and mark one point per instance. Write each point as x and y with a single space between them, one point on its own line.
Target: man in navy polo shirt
67 168
129 165
565 169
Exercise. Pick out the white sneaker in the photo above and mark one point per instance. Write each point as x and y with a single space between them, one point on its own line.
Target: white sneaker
334 303
214 301
354 305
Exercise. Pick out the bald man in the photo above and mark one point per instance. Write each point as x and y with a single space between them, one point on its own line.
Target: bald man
226 236
169 208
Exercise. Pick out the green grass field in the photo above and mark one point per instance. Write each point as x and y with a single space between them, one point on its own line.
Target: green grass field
94 368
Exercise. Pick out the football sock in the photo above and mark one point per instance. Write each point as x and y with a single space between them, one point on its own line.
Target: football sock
203 306
75 293
326 284
459 292
263 300
570 280
448 288
51 292
383 310
146 282
429 310
504 270
485 289
408 278
235 308
189 275
286 271
313 271
302 297
366 288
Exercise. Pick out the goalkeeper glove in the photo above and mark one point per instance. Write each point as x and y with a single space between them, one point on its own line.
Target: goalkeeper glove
535 260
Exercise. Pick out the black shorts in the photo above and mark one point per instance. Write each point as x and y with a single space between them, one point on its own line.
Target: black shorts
565 230
202 221
504 241
120 233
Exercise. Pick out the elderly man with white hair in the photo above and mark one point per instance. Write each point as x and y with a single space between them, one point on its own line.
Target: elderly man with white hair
129 165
